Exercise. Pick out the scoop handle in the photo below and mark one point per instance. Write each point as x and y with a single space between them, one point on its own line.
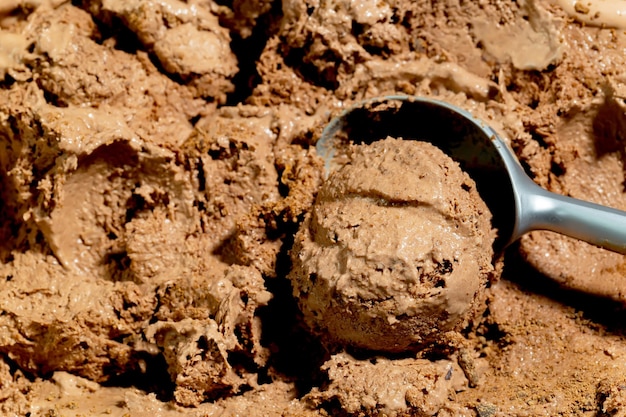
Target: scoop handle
599 225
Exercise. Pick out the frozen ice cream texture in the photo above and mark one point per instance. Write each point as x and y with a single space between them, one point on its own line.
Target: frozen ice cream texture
396 251
182 133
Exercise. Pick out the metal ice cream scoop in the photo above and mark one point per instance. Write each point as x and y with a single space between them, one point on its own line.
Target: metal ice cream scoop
517 204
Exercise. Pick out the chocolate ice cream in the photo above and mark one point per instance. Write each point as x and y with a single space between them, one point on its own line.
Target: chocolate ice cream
396 251
156 163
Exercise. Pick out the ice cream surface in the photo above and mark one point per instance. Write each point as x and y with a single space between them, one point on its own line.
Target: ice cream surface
156 163
396 250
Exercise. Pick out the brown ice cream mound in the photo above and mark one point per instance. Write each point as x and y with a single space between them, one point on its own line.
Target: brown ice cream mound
396 251
158 157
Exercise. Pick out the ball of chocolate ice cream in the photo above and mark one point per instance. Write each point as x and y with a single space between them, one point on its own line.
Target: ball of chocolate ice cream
396 251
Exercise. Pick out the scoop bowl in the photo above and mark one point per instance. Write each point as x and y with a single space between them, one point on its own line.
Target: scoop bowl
517 204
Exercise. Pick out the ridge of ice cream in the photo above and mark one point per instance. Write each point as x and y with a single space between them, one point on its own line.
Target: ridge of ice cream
396 251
